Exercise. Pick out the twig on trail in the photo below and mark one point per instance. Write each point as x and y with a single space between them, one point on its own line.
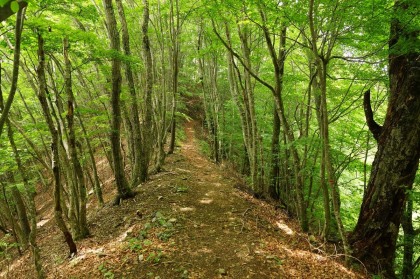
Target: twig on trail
243 225
160 174
169 262
248 209
314 248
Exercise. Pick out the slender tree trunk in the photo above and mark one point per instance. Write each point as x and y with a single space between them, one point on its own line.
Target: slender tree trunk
409 236
17 197
274 184
7 211
67 168
248 94
275 152
97 183
299 179
42 92
397 158
175 30
278 64
234 89
123 188
31 80
148 108
321 62
161 96
326 152
22 215
20 205
16 58
77 167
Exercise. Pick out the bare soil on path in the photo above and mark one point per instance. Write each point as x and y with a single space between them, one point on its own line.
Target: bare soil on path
188 221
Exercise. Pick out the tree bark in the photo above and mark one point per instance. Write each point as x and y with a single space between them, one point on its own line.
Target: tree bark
397 159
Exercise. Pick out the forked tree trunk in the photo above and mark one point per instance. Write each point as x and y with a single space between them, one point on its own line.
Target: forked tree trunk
397 158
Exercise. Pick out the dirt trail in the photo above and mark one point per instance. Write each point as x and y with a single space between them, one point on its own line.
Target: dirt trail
187 222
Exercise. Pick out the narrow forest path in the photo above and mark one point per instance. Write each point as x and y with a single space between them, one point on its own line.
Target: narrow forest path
188 221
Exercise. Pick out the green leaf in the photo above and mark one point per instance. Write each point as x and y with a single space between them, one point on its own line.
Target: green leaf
2 2
14 6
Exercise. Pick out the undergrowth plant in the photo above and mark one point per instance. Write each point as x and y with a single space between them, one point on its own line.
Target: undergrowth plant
106 271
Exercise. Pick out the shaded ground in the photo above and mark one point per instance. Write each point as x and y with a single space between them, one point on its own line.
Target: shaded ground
189 221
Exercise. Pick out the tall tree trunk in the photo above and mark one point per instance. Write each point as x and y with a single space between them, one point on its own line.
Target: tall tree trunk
148 107
123 188
137 175
175 29
42 96
233 77
77 167
249 102
321 59
397 157
275 151
278 64
278 99
327 160
274 184
161 96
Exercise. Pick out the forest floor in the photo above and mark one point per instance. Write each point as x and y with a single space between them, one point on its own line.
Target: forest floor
188 221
